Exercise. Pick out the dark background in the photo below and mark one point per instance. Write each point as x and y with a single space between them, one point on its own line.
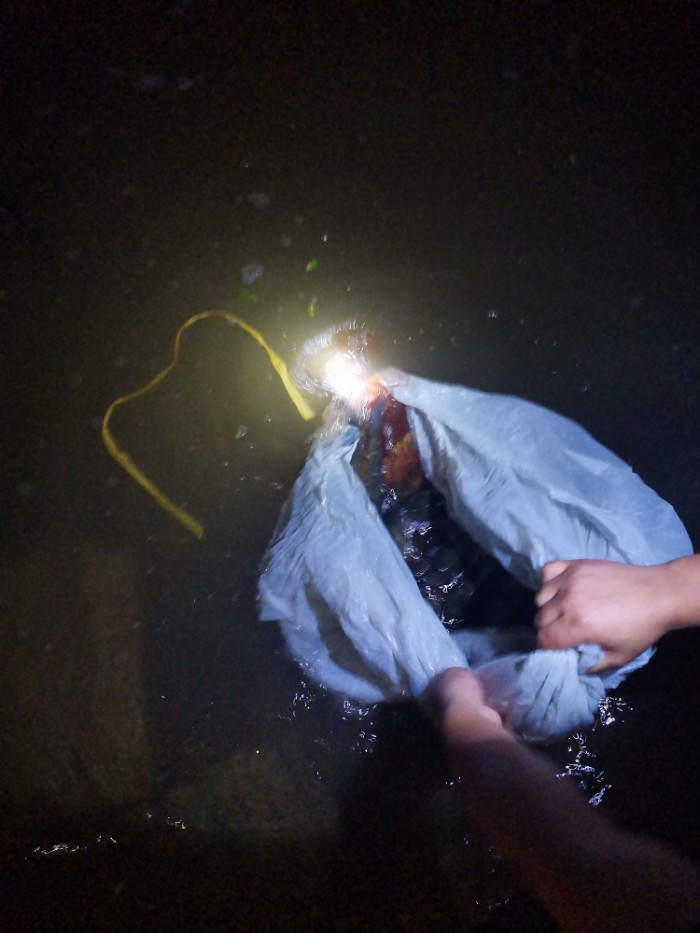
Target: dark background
507 194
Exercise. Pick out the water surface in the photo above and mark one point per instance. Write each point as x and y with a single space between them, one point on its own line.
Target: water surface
508 204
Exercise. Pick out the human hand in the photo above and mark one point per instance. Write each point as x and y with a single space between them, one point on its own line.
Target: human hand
456 693
621 607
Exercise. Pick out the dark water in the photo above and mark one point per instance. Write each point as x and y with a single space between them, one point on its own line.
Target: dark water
509 199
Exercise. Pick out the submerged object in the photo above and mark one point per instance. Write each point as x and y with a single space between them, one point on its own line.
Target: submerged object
526 485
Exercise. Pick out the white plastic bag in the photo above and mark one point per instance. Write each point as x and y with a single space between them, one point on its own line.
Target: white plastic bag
528 485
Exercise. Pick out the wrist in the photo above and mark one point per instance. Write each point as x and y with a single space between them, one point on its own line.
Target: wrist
683 592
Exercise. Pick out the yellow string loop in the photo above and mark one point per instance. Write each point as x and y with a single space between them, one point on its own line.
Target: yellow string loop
128 464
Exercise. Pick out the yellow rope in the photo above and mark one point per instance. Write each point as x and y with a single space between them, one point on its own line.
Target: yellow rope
128 464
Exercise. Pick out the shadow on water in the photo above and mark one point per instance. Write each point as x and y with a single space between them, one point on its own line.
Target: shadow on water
167 766
151 782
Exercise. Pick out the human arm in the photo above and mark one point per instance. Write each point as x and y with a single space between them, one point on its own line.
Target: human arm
588 874
621 607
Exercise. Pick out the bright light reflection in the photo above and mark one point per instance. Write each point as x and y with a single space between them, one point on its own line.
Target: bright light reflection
348 379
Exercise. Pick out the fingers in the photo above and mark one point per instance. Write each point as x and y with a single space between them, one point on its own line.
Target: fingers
546 593
551 573
457 690
557 629
443 687
549 614
558 636
553 569
548 637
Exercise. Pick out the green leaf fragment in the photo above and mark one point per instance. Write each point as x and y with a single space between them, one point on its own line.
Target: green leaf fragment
311 265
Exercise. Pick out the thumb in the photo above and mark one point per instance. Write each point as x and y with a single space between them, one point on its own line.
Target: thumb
605 662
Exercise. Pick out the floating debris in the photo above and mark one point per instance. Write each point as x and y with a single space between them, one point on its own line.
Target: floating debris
252 272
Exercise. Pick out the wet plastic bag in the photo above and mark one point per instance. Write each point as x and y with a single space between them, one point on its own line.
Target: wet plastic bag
527 485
